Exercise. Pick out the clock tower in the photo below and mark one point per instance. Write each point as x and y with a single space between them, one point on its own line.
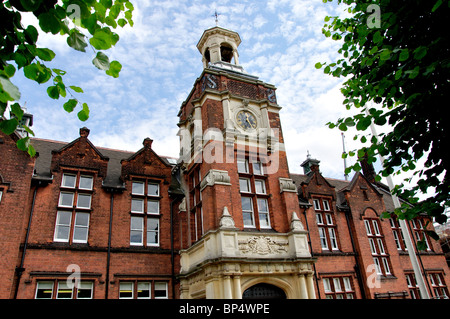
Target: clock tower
240 215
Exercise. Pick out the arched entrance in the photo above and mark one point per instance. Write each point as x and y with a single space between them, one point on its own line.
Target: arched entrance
264 291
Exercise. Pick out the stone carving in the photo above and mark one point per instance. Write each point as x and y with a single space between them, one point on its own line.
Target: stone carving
296 224
262 245
226 221
287 185
215 176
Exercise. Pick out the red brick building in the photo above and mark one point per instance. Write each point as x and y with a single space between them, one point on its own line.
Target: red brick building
224 220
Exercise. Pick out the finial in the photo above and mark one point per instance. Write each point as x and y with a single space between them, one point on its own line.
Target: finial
216 15
308 155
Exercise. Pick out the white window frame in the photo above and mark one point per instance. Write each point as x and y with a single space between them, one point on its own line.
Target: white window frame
323 238
326 205
165 289
85 285
316 203
149 286
58 224
245 162
260 171
262 183
157 231
333 239
245 181
141 184
63 286
157 191
140 230
251 212
122 283
148 207
319 219
50 285
265 213
142 205
64 179
75 227
85 196
61 196
86 177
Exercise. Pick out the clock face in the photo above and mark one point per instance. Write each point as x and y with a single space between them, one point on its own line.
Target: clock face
246 120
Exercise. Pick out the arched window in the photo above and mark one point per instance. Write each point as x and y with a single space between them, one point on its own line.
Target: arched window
226 52
264 291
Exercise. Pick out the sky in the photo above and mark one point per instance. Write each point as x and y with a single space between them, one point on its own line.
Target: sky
282 40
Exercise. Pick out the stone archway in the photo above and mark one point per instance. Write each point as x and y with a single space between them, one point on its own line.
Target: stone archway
264 291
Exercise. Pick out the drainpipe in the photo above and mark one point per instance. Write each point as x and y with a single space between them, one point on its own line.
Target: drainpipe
108 256
357 265
20 269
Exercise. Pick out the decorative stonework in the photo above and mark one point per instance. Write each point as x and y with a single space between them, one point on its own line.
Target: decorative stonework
296 224
262 245
214 177
287 185
226 221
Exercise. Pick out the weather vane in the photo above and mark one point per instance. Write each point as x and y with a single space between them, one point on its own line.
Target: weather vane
216 15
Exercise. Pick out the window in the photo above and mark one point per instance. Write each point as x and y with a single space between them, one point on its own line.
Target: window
254 195
420 232
326 224
143 290
74 204
195 197
377 246
63 228
413 287
438 286
338 287
144 228
46 289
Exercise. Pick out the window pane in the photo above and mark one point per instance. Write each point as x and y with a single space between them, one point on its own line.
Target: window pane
84 201
80 232
247 204
69 180
316 204
326 285
44 290
143 290
242 166
153 231
347 284
137 188
136 231
260 186
337 285
262 205
319 219
368 229
137 205
86 182
62 228
257 168
66 199
323 238
153 207
153 190
329 219
160 290
85 290
326 205
64 292
244 185
126 290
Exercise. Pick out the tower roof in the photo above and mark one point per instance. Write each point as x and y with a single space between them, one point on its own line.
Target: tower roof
228 34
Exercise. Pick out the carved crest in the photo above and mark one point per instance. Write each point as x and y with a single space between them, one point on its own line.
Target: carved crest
262 245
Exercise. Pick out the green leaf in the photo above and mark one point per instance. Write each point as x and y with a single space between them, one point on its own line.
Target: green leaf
17 111
363 123
377 37
76 40
31 34
76 89
53 92
49 23
373 50
103 39
318 65
436 5
398 74
413 73
385 54
9 70
114 69
83 115
420 52
70 105
45 54
404 55
11 92
9 126
23 143
31 150
101 61
122 22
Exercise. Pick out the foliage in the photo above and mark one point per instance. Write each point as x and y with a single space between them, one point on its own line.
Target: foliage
396 66
84 23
